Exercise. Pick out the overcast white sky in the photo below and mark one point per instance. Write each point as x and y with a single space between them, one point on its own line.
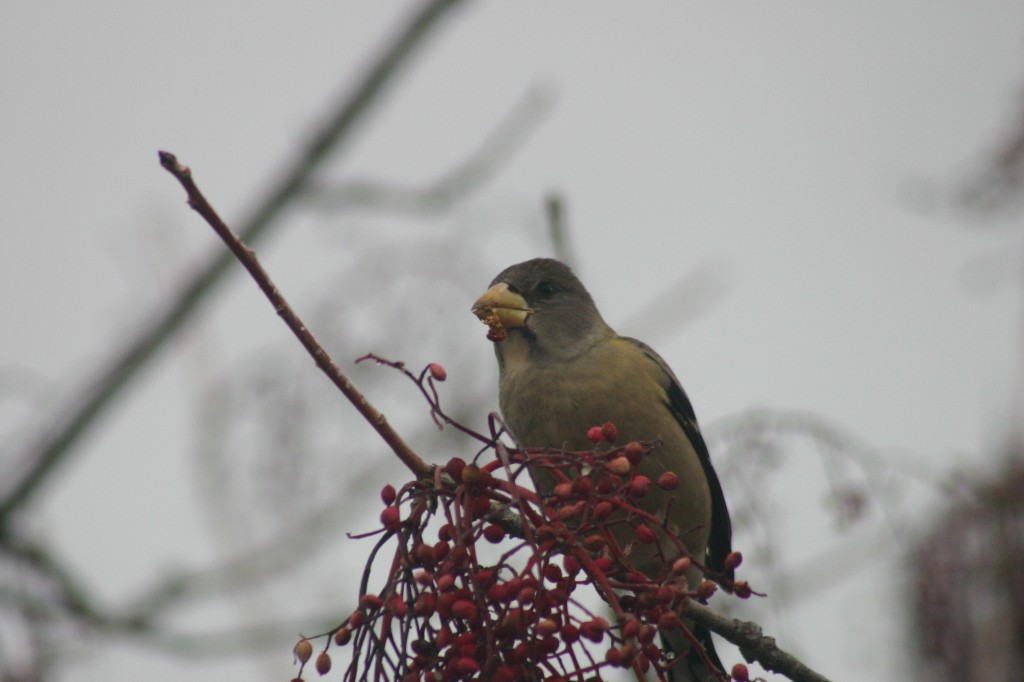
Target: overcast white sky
778 149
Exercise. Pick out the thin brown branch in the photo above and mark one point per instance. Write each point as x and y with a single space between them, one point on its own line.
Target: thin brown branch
753 643
57 436
247 257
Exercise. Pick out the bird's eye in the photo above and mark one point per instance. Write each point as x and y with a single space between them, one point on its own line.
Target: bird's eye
546 289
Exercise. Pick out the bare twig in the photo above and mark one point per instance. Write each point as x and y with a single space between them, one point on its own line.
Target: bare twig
247 257
753 644
57 436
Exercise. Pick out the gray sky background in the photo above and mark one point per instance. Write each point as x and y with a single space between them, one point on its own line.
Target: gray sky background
793 157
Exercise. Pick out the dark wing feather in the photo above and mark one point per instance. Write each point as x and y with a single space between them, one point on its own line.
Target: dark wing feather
720 540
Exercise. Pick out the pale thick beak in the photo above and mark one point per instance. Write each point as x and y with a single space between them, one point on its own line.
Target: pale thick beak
501 310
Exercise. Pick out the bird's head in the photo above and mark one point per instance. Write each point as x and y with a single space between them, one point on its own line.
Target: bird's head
541 303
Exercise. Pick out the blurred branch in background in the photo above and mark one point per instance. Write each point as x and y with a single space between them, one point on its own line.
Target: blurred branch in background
968 584
453 185
57 436
999 184
859 500
558 228
966 574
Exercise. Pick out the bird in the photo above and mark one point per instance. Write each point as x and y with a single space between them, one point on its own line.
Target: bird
562 370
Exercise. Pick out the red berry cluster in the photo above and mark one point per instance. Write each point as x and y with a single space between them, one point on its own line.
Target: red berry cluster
457 607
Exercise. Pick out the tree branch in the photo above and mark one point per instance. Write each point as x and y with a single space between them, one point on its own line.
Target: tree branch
247 257
753 643
56 438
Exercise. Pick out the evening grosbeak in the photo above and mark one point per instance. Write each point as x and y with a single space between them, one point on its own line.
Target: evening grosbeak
563 370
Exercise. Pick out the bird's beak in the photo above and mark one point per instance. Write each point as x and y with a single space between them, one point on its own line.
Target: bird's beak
501 310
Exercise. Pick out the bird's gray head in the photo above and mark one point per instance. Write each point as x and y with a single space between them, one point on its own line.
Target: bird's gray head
542 304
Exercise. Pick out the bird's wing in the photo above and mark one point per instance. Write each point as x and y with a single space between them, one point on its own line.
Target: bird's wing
720 539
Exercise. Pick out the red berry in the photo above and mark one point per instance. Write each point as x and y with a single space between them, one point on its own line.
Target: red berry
467 666
733 560
595 434
371 602
742 589
464 609
425 605
494 533
634 451
639 486
504 674
303 650
740 673
546 626
438 372
391 518
445 600
644 534
520 653
454 467
668 481
388 494
544 533
583 486
552 573
631 628
610 432
669 621
467 640
547 646
567 512
481 505
398 607
682 565
444 637
620 466
342 636
563 490
458 555
607 484
323 663
602 510
706 589
594 629
423 553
